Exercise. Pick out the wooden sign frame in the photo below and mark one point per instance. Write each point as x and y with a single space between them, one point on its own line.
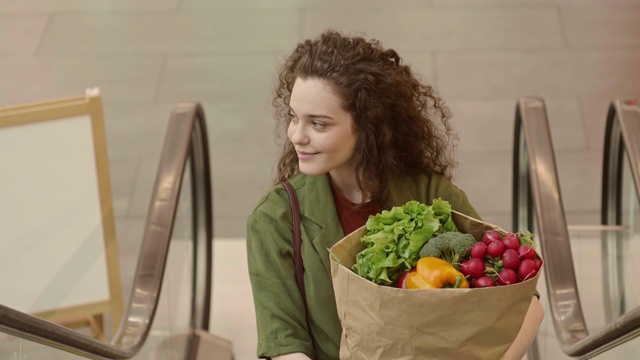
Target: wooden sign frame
74 312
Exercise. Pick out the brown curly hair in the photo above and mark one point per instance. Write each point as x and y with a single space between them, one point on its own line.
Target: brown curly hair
402 125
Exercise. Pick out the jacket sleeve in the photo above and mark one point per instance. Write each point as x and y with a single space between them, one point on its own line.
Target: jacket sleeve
280 314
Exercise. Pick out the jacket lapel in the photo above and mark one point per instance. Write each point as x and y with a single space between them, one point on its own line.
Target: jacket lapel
318 206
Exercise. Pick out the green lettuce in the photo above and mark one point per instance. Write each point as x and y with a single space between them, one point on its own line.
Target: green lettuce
394 238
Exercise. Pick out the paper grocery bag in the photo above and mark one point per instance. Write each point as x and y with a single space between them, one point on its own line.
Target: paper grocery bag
382 322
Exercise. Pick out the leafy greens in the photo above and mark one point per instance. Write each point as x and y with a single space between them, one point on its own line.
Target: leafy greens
394 239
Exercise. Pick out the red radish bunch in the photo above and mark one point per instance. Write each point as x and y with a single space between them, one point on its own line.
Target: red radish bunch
502 259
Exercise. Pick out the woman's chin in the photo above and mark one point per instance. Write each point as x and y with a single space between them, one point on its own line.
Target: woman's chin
311 171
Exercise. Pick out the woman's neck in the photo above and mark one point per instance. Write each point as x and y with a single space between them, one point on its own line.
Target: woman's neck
346 185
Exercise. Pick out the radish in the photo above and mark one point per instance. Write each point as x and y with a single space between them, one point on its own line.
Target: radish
495 248
475 268
511 259
484 281
527 269
538 263
511 241
402 280
490 236
526 252
464 268
507 277
479 250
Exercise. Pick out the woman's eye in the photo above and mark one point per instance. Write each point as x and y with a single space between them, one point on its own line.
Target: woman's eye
292 117
318 125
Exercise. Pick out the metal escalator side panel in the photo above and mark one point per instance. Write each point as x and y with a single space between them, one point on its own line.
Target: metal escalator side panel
566 309
186 127
153 253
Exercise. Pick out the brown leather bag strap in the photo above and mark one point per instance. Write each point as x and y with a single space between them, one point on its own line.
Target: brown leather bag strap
297 242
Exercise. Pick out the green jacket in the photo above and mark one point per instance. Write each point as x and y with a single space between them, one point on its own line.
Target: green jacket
282 327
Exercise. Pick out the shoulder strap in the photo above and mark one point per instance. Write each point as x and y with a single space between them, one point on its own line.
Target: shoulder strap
297 241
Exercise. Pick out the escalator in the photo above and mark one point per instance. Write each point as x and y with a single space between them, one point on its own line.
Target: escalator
572 332
168 312
179 227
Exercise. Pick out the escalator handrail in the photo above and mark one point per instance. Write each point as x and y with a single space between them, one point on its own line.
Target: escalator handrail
185 140
541 176
627 114
567 316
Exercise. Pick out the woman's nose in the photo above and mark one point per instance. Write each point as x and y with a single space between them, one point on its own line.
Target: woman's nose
297 133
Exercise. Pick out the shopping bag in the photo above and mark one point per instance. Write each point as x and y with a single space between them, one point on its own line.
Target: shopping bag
383 322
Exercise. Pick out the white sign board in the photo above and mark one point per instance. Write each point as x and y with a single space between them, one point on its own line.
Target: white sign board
57 237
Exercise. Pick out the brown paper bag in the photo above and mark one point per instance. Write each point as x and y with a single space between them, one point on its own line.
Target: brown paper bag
382 322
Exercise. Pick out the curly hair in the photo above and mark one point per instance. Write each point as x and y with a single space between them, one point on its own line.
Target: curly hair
402 125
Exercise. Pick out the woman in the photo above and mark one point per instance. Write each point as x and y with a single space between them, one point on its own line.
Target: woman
363 134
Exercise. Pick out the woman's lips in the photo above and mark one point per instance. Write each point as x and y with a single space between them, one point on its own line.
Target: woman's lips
305 155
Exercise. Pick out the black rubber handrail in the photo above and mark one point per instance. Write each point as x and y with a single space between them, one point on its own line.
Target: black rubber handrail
185 141
536 187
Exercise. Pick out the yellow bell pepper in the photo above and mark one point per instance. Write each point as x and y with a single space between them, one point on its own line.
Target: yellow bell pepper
435 273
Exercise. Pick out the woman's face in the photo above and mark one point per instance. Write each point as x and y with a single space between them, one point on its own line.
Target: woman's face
321 131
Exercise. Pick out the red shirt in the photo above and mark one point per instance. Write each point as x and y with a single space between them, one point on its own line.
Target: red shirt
351 215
